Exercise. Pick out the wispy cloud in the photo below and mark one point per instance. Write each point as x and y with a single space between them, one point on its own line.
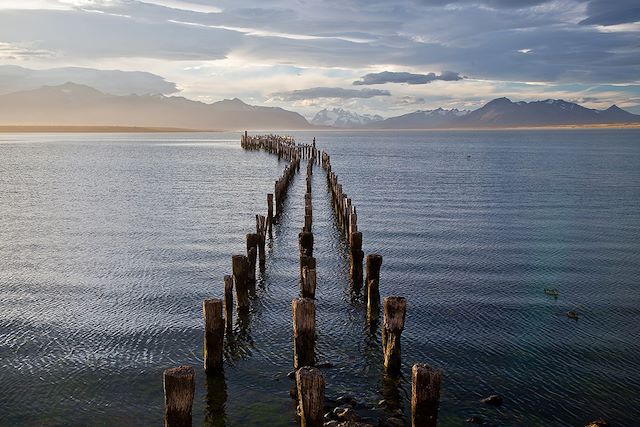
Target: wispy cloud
328 92
408 78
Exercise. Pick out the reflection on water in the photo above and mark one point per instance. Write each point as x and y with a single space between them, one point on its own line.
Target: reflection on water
216 400
109 244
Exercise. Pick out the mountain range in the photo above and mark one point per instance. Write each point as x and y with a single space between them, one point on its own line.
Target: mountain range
72 104
340 118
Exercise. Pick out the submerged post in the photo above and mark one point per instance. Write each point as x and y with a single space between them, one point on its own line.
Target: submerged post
240 264
213 334
228 302
304 331
373 264
425 395
179 388
310 383
393 324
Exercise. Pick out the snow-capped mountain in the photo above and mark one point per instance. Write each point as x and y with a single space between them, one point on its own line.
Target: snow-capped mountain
422 119
340 118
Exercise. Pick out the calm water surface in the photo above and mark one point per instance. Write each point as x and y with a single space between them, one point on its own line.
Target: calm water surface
109 244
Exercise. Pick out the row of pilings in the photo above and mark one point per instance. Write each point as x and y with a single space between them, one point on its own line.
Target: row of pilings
179 382
309 388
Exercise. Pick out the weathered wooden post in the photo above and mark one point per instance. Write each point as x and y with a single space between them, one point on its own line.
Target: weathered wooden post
179 388
270 213
304 331
240 268
425 395
372 282
252 253
213 334
311 384
308 262
305 240
228 302
261 232
392 326
308 284
356 259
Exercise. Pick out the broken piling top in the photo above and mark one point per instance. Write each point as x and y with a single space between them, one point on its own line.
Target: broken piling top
395 309
373 264
304 331
179 388
305 240
425 395
228 302
213 334
392 326
311 384
240 267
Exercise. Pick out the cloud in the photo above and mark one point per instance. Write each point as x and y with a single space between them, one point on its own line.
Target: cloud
607 12
409 78
328 92
14 78
12 51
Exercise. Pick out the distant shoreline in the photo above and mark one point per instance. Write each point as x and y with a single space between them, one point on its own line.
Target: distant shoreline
147 129
94 129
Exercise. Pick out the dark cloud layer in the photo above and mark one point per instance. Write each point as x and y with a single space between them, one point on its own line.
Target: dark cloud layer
609 12
409 78
328 92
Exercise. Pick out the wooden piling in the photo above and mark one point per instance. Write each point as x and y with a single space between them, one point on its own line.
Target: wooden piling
270 213
311 384
308 262
179 388
425 395
261 231
372 282
240 268
308 284
228 302
213 334
304 331
393 324
252 253
305 241
356 259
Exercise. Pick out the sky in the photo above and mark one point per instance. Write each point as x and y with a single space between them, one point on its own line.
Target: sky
373 57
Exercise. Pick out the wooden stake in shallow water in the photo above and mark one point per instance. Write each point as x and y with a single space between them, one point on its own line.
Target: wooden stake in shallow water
356 259
213 334
393 324
373 264
240 264
304 332
425 395
252 253
308 284
270 212
179 387
310 383
228 302
305 242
